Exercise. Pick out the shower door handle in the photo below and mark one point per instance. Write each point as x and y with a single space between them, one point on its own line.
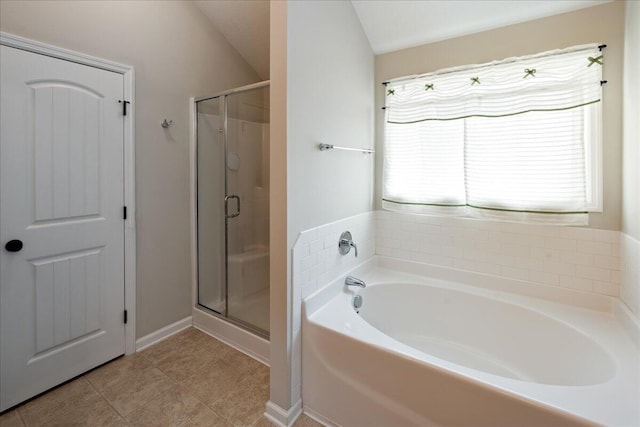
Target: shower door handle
226 206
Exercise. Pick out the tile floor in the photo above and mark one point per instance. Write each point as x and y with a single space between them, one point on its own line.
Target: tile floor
189 379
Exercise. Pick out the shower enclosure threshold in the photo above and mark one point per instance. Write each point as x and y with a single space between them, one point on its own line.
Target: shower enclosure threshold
233 333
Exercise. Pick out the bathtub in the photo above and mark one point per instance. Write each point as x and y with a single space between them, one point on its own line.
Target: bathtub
437 347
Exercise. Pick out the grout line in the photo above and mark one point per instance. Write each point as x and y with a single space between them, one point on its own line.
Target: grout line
105 399
24 423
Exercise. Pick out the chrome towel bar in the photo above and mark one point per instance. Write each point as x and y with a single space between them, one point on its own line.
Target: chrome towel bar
325 147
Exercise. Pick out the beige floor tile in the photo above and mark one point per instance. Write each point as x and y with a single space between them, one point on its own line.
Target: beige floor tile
174 407
305 421
212 382
11 419
137 391
116 372
174 345
57 401
246 400
168 384
239 363
214 345
95 412
207 418
182 364
263 422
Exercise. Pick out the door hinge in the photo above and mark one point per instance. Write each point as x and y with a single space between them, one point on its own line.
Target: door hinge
125 317
124 106
124 212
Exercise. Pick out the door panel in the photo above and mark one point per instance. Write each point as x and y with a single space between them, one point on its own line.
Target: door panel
61 193
248 233
66 150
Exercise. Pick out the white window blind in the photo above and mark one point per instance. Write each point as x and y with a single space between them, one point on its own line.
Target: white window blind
517 139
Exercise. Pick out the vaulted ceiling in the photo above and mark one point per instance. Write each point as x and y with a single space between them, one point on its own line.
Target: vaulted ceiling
389 24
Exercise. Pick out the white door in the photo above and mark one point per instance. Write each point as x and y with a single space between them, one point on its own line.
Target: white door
61 195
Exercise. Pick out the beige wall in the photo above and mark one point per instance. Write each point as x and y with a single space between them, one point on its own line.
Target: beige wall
176 54
321 91
280 293
599 24
631 119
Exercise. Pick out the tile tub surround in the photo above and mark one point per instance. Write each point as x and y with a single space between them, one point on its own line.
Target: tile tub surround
630 273
579 258
317 262
189 379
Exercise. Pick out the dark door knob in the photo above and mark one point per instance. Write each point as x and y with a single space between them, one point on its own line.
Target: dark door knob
13 245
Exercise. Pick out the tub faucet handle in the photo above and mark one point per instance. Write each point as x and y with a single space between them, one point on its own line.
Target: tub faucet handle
346 243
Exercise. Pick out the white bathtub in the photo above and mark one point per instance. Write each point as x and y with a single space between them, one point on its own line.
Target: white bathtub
427 351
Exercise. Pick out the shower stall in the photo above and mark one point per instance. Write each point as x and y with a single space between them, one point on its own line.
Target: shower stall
232 198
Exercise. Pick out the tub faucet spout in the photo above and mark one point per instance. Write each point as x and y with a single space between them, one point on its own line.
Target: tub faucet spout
354 281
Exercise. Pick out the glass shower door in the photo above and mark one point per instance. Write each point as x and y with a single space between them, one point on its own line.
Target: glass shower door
233 206
211 193
247 207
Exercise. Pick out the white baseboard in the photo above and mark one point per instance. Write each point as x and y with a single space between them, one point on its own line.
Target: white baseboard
318 418
246 342
281 417
163 333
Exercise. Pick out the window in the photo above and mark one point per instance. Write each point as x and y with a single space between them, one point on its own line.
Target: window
517 139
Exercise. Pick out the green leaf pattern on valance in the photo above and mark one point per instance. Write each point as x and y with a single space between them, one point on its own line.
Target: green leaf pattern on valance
550 81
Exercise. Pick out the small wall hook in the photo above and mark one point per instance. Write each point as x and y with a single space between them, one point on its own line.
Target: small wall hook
166 123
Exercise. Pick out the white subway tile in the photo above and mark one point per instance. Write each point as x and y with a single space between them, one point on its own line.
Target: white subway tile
307 236
576 283
512 227
609 236
544 277
515 250
615 277
545 254
389 242
527 263
503 238
514 272
413 227
301 250
491 246
530 240
545 230
594 247
577 233
441 260
430 247
479 224
463 264
573 257
411 245
606 288
558 268
560 244
615 249
500 259
384 251
308 262
595 273
488 268
454 251
316 246
607 261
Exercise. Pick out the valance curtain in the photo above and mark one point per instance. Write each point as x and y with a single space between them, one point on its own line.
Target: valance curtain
516 136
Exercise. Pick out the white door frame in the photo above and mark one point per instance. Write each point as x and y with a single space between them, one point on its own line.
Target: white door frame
127 72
